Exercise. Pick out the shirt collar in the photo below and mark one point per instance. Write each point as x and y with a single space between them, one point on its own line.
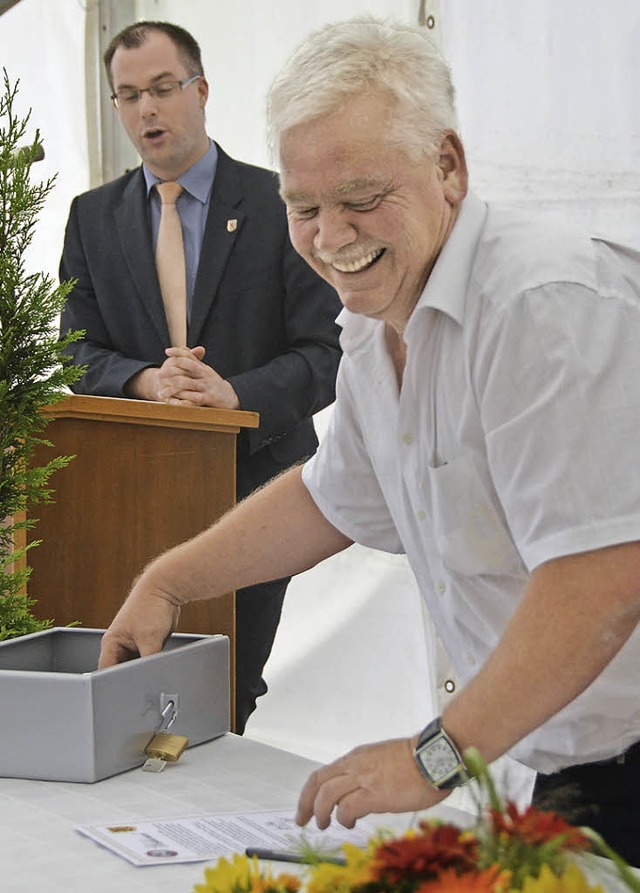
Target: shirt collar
446 288
197 180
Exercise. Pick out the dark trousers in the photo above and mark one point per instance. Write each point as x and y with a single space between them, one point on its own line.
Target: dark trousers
258 610
604 796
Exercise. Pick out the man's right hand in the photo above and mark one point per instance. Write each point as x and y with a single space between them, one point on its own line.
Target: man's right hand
141 627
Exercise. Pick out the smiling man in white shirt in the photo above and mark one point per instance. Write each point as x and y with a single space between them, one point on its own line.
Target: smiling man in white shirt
486 424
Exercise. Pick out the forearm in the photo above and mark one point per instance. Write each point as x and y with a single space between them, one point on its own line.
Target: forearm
277 531
575 615
107 370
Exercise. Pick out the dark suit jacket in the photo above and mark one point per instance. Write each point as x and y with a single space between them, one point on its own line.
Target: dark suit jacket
265 318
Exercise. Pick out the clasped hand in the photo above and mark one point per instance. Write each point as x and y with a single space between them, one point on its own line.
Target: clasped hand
184 379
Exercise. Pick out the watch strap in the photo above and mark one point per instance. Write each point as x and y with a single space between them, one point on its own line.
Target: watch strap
454 779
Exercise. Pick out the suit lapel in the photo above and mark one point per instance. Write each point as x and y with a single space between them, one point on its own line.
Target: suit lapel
132 225
224 223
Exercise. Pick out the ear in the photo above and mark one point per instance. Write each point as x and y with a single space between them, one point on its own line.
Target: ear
203 91
452 167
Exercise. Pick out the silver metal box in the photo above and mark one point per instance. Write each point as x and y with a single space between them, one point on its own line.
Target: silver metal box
61 719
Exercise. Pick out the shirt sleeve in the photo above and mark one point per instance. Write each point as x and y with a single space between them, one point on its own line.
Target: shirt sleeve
559 395
341 479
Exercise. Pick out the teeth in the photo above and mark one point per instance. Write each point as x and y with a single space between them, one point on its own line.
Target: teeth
355 266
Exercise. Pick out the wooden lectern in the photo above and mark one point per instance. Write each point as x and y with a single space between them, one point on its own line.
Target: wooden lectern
145 477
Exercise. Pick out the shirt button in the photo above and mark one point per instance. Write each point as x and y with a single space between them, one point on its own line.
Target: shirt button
449 686
442 586
420 515
471 659
407 437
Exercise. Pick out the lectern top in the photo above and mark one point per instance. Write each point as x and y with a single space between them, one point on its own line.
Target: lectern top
146 412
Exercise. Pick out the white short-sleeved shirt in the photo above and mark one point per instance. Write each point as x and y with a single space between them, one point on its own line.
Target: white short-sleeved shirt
515 439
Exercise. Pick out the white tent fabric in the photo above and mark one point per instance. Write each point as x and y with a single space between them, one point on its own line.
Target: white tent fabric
547 102
42 47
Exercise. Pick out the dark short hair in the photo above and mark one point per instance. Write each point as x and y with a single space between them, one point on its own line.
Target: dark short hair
135 35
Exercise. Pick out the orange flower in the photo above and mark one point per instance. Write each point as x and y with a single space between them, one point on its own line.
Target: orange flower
283 883
535 828
423 856
492 880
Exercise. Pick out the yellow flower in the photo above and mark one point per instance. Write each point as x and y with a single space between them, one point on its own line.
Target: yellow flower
226 876
328 878
243 875
571 881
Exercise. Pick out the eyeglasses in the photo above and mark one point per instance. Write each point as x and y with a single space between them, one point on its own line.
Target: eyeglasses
130 96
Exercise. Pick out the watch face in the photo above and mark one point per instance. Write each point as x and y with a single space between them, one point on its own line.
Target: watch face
438 759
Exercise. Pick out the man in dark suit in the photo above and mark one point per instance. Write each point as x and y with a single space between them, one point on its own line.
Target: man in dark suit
261 334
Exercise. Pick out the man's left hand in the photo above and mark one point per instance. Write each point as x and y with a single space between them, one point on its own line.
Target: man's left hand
381 777
186 380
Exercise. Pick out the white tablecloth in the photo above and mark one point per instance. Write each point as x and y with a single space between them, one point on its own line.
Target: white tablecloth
39 849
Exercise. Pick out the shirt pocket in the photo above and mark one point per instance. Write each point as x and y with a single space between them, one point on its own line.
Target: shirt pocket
470 535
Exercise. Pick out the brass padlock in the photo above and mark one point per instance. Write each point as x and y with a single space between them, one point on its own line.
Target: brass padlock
167 747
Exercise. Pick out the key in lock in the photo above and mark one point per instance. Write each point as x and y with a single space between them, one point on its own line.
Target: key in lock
164 747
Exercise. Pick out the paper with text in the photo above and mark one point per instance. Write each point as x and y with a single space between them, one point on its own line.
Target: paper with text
201 838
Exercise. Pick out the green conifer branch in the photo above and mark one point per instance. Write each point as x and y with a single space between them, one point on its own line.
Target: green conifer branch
34 370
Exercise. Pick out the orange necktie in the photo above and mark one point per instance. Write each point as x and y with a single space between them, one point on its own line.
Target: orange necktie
170 264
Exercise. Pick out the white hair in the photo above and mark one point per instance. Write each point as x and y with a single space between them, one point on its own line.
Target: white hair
364 55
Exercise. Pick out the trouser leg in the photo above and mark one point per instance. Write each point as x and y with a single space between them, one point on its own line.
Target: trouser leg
605 797
258 610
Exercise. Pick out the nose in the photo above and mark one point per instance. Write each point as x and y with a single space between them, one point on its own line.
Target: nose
333 230
146 104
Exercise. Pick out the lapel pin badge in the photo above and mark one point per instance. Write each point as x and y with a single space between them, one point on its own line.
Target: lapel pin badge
232 225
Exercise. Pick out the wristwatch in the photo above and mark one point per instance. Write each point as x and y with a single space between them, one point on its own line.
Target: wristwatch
438 759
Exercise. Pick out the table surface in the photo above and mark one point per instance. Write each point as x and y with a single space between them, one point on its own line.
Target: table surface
39 848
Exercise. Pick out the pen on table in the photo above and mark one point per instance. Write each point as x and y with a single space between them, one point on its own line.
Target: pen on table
288 856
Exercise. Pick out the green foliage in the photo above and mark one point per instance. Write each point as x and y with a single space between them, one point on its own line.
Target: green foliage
34 371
